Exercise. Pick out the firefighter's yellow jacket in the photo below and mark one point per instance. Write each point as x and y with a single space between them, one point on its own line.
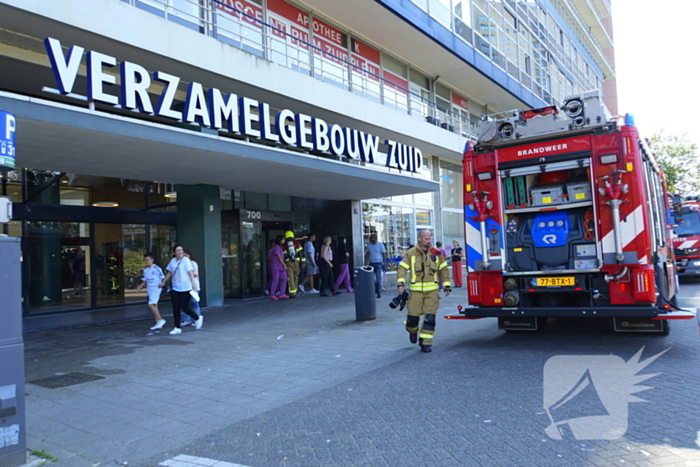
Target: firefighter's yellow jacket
424 269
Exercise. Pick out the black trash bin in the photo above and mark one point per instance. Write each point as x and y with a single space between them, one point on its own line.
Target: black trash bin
365 303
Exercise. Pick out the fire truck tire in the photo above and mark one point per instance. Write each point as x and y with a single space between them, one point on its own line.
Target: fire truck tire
665 327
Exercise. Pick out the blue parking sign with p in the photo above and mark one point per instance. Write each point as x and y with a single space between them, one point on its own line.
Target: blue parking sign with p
8 150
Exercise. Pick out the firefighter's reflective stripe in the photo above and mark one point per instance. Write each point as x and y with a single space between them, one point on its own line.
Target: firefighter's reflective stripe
442 266
405 264
447 284
423 286
413 269
424 335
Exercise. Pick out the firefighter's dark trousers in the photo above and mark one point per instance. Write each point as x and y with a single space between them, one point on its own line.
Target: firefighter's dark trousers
424 304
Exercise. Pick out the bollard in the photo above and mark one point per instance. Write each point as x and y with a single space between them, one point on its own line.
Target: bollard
365 303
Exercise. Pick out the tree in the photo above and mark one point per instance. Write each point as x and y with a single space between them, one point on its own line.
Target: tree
680 161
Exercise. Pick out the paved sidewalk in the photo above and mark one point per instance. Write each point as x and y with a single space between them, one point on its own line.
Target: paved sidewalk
157 392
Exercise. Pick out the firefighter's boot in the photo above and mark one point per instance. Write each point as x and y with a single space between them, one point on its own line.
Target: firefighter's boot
412 328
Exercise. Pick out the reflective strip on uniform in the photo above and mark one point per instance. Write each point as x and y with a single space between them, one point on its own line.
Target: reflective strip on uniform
447 284
413 268
405 265
442 266
425 336
423 287
400 281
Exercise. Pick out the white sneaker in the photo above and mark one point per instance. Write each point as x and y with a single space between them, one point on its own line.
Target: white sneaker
199 322
176 331
266 292
159 325
301 289
313 291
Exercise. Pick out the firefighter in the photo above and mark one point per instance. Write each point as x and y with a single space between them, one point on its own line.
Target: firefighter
294 260
426 266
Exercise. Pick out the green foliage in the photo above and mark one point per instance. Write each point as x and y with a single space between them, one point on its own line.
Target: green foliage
680 161
44 455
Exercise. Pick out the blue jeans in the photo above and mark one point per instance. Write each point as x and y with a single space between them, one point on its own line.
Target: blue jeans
378 268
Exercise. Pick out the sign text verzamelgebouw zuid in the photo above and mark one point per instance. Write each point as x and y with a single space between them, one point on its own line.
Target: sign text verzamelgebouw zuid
221 112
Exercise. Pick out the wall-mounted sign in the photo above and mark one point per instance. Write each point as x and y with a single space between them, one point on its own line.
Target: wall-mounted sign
8 150
221 111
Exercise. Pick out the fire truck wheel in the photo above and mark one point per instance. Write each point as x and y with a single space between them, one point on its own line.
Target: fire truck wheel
665 327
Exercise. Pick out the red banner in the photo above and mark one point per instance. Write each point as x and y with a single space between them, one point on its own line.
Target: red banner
397 80
232 7
331 41
365 59
460 101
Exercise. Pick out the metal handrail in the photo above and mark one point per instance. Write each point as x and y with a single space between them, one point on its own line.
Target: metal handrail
386 92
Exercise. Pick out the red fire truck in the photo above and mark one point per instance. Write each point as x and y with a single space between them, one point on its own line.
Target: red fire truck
565 214
686 244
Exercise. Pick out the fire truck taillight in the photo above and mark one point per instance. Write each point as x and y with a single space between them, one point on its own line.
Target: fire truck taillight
608 159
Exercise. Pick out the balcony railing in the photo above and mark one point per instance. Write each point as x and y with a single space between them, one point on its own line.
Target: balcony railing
246 31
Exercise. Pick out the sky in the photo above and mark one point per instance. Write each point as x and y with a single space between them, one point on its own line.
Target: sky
658 64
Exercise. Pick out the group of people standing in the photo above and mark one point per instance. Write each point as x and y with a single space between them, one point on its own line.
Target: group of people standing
293 266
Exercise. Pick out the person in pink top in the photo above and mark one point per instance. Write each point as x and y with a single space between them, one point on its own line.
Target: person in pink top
326 268
279 270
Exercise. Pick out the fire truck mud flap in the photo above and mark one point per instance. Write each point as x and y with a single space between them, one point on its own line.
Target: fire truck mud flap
658 325
521 324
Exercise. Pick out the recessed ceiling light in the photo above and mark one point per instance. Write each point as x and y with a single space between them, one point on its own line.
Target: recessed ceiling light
106 204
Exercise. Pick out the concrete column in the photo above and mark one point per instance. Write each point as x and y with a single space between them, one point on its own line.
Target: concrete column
358 250
199 229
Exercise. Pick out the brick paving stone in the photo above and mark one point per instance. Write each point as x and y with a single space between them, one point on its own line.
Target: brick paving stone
381 403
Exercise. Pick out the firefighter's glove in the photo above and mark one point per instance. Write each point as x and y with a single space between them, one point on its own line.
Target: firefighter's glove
399 301
448 291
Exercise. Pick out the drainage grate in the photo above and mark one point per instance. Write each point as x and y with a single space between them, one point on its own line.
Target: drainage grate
61 381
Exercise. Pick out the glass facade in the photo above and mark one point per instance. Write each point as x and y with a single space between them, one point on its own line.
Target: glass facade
397 221
525 41
84 237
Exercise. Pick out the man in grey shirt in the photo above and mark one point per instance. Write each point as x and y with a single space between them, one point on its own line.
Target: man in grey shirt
375 256
311 266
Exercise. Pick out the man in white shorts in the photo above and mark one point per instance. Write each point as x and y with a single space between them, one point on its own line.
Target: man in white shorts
152 277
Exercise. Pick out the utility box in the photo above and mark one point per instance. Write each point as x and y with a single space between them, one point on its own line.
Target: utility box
13 428
579 192
547 195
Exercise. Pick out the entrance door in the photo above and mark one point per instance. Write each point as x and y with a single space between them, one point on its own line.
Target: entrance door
252 245
230 259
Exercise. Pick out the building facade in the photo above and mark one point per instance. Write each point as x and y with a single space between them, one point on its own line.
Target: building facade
219 124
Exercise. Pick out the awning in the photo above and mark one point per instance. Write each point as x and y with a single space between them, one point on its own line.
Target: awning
63 138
